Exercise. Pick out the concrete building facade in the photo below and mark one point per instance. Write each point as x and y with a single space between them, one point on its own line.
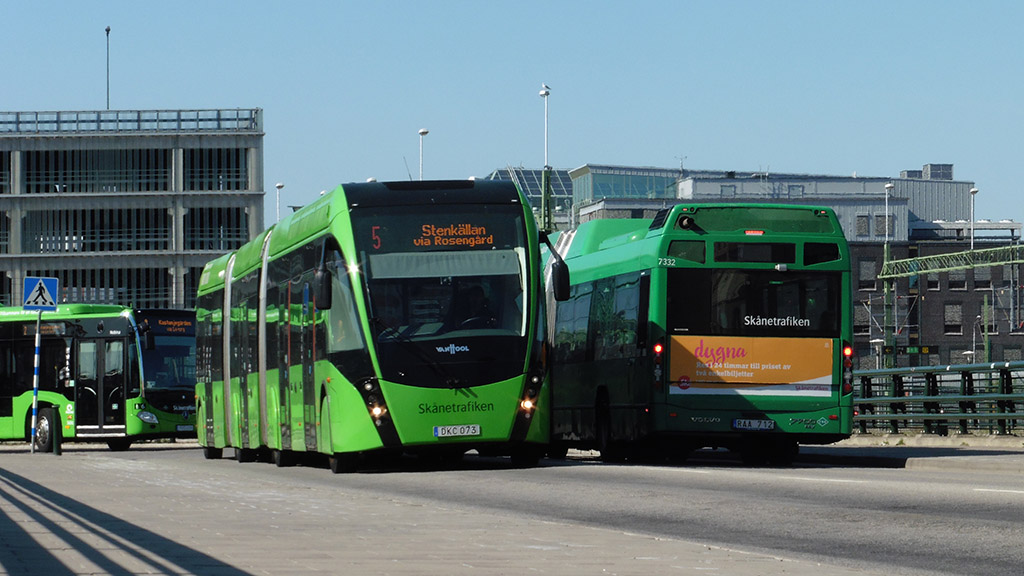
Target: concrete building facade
126 206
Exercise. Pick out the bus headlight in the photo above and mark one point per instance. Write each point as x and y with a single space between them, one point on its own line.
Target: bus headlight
148 417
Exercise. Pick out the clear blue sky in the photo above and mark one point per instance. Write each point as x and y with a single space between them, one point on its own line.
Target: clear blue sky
866 87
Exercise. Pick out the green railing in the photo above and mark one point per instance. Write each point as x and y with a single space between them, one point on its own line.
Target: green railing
933 399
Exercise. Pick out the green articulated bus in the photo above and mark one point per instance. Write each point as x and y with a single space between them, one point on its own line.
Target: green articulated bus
712 325
106 374
384 318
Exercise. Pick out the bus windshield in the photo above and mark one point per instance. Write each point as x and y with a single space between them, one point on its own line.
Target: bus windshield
737 302
444 271
168 351
449 281
448 294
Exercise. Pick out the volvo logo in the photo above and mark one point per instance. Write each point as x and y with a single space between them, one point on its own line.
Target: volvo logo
705 419
452 349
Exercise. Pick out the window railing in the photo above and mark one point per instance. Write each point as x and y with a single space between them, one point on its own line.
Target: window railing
96 180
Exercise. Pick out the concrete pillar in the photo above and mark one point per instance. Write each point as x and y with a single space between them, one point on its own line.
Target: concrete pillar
17 215
254 162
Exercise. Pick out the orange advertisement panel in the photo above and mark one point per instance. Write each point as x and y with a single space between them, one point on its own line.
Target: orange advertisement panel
751 366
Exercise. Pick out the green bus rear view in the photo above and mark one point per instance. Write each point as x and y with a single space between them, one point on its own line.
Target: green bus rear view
712 325
383 318
106 374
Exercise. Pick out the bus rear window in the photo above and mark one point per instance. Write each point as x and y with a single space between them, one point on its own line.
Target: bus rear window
724 302
818 252
762 252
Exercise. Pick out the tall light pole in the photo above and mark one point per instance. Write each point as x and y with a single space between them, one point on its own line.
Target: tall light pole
423 132
889 186
889 320
108 67
279 185
545 198
545 91
974 192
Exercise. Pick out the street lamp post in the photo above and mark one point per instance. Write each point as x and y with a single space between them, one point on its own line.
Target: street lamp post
544 93
423 132
279 185
974 192
108 67
888 332
545 198
888 190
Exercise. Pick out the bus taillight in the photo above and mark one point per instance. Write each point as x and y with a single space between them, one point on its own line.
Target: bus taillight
658 349
847 368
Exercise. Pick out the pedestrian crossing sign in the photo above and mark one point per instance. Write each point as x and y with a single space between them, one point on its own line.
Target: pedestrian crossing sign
40 294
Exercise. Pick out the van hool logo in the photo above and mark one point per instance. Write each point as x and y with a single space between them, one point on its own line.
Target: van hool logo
453 349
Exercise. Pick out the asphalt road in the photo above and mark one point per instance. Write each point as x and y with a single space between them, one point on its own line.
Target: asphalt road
163 509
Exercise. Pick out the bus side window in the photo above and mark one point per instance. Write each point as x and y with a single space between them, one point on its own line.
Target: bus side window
7 387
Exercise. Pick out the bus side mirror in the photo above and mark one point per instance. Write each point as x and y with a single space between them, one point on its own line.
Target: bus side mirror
560 280
150 340
559 271
322 288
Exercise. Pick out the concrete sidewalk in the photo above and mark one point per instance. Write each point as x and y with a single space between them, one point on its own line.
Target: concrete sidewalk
969 452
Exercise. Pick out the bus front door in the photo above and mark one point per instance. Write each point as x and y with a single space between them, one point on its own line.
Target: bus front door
99 388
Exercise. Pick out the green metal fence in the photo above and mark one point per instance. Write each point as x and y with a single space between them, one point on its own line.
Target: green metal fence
935 399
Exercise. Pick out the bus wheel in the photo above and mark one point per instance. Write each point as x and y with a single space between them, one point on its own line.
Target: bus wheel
211 453
44 429
245 454
526 457
343 462
119 444
558 451
282 458
603 430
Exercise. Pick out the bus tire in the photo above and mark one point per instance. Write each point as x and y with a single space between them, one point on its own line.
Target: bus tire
119 444
343 462
211 453
282 458
245 454
44 428
558 450
603 430
527 456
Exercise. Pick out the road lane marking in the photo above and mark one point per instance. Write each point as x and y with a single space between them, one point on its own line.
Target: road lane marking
999 491
836 480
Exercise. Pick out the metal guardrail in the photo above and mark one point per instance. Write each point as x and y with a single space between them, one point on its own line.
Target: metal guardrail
90 121
971 397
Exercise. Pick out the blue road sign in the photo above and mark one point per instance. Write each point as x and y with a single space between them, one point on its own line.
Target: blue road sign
40 294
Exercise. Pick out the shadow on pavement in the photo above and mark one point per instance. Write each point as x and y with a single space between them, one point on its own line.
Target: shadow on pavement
42 530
